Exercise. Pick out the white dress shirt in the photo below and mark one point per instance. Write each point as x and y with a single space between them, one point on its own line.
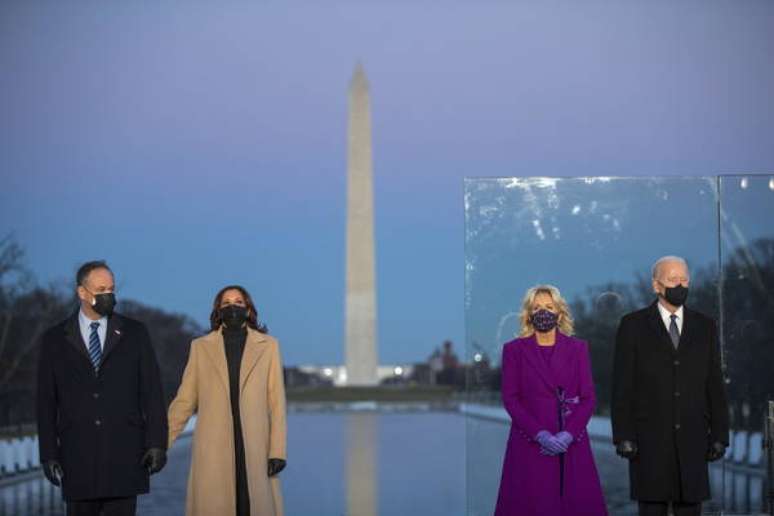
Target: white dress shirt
85 324
666 316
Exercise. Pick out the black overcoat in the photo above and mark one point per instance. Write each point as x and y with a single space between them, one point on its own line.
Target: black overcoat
98 426
672 403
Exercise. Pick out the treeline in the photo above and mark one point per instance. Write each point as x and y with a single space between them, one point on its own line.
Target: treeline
27 309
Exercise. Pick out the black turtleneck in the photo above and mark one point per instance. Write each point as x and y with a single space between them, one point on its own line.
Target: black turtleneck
234 342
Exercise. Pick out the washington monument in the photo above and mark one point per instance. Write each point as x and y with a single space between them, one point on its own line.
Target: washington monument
361 354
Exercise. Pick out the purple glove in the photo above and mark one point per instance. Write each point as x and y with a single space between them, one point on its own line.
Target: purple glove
549 444
565 438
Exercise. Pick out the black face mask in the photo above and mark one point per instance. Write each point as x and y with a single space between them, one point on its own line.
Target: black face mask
676 296
233 316
104 303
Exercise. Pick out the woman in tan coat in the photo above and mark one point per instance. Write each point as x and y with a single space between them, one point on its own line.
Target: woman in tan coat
233 381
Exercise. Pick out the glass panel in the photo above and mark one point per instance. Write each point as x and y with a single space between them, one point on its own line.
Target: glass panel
747 283
595 239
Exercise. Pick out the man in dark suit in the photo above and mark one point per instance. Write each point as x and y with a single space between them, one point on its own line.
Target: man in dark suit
669 410
102 423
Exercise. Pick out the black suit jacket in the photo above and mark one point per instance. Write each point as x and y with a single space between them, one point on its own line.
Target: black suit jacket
672 403
98 426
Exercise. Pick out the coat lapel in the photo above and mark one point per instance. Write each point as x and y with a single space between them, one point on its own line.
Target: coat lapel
657 325
112 336
217 354
538 363
561 360
687 331
254 349
73 336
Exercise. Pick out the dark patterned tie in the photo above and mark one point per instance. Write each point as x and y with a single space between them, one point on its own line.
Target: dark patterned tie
674 333
95 349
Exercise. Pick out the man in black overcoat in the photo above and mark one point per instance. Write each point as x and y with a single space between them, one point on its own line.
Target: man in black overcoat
669 409
102 423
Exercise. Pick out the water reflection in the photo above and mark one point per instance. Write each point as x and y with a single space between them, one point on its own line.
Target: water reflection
361 464
375 463
369 463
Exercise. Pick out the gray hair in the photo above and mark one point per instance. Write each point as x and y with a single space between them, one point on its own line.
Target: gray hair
665 259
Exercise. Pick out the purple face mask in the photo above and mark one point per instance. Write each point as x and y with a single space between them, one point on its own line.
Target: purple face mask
544 320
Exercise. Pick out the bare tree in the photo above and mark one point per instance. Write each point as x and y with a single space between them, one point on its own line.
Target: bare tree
13 279
25 312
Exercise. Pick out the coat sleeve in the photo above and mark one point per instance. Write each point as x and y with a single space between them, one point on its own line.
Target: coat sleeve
624 385
511 393
716 392
187 398
276 399
581 413
48 439
151 395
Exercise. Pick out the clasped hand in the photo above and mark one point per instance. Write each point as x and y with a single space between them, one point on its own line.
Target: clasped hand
553 444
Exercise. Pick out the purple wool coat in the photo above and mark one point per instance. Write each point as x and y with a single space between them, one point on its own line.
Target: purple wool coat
533 484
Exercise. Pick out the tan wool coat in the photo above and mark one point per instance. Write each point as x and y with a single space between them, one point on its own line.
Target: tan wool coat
205 391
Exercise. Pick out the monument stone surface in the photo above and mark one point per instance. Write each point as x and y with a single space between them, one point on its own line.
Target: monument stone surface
361 348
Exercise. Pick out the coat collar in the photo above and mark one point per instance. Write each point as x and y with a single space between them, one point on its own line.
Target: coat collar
113 335
657 325
551 374
688 327
254 349
255 345
72 332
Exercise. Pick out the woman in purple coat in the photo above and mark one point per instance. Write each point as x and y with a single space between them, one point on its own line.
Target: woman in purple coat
548 391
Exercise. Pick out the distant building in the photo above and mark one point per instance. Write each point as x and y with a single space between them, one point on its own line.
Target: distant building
295 377
337 374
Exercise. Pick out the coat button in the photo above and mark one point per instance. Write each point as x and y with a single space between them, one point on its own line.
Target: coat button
677 362
677 394
97 422
677 426
95 395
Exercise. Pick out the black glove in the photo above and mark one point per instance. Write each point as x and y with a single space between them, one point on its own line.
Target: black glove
53 472
275 466
716 451
154 459
627 449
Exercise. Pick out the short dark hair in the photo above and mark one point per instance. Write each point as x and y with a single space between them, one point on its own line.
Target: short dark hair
85 269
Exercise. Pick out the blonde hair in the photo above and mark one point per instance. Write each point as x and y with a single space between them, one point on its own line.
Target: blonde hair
565 323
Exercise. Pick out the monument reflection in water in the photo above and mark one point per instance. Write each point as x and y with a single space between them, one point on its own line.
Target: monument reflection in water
369 463
362 440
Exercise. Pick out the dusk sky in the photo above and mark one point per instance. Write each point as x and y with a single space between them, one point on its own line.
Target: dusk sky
194 145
